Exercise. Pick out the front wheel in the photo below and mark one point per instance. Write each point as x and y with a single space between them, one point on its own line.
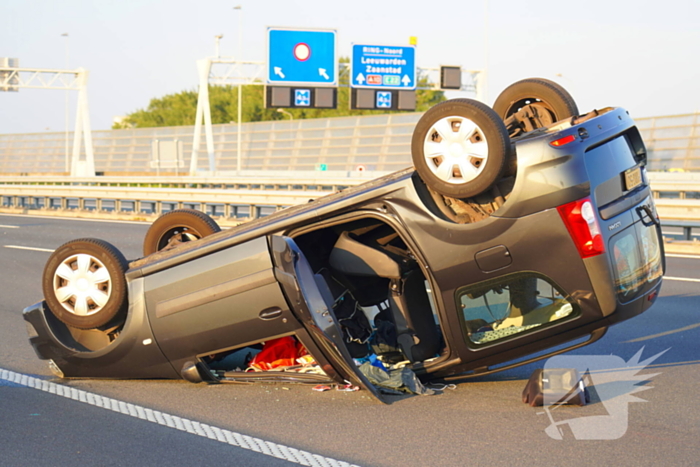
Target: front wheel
177 227
460 147
84 284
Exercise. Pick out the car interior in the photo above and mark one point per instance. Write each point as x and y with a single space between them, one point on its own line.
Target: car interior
378 292
510 305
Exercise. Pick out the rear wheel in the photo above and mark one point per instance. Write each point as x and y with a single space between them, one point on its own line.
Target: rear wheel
177 227
533 103
459 148
84 284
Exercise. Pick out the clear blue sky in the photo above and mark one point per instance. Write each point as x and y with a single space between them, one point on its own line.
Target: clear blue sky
642 55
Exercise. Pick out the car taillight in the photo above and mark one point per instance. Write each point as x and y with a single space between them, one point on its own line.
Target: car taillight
581 222
563 141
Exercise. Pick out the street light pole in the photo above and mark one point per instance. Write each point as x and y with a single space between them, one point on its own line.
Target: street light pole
288 114
240 86
485 81
218 37
65 34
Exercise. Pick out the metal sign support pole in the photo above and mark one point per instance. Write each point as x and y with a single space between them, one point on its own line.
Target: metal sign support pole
203 112
82 131
88 168
235 74
238 128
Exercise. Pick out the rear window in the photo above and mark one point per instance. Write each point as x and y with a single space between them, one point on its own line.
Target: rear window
609 160
637 257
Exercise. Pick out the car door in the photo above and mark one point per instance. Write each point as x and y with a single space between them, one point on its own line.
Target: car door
303 289
218 301
247 293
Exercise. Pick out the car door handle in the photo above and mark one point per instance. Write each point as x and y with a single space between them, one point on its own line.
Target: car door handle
270 313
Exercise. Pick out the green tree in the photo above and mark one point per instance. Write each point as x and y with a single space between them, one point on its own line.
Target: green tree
169 110
180 109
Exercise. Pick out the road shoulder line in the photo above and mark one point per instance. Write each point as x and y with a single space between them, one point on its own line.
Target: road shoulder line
172 421
30 248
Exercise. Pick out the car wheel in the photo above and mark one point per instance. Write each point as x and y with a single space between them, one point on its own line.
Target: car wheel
84 284
177 227
459 148
533 103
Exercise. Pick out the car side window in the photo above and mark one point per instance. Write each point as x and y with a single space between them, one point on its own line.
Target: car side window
510 305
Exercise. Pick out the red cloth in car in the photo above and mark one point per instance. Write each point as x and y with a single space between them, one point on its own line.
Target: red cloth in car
278 353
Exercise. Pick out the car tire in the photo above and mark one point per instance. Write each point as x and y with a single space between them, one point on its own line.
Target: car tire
84 284
550 100
177 227
456 162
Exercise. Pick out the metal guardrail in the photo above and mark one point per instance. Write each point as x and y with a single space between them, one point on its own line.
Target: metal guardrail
664 184
680 185
687 227
677 198
679 209
255 194
249 180
216 202
680 213
248 196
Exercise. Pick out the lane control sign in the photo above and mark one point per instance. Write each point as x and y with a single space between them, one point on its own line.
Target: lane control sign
383 67
302 97
384 99
302 57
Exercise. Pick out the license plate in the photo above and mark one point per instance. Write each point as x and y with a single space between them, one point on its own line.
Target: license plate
633 178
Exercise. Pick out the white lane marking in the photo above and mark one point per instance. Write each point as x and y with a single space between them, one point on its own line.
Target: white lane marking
682 279
17 247
173 421
676 255
661 334
9 226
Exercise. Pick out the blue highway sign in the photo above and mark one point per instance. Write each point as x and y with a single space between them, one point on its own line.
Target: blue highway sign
383 66
301 57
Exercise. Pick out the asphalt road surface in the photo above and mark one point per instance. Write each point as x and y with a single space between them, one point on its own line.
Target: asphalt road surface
480 422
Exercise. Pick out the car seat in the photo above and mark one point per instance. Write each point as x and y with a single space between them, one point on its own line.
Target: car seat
416 330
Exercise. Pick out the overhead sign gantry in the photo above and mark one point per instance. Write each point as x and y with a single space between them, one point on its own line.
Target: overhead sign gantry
13 78
302 71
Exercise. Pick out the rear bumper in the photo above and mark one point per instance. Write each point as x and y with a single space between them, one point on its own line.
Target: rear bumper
637 306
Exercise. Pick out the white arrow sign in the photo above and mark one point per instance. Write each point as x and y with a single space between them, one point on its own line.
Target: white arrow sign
360 78
278 72
406 80
322 72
